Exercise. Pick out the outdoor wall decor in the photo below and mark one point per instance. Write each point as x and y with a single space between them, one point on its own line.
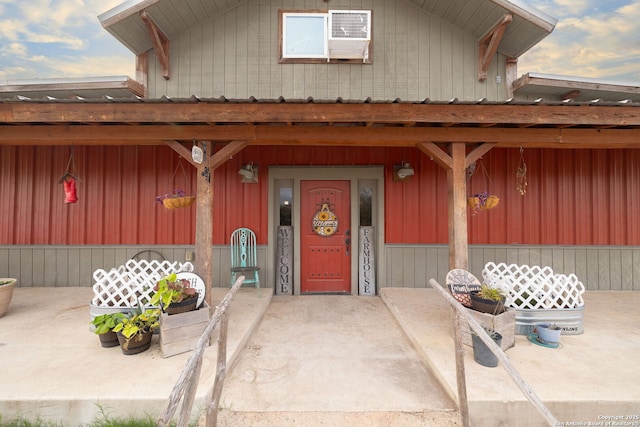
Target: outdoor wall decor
367 262
325 222
284 261
69 181
521 174
539 296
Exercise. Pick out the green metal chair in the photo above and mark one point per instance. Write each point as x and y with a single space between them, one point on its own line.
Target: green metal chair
244 261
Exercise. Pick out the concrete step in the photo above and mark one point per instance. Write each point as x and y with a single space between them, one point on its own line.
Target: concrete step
228 418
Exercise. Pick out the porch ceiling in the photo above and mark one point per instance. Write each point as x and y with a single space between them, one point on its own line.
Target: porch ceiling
310 122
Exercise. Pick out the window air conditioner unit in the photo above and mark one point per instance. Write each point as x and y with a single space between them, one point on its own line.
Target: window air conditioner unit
349 34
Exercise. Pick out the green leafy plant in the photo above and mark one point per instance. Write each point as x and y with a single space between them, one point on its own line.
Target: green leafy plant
139 323
493 294
106 322
170 289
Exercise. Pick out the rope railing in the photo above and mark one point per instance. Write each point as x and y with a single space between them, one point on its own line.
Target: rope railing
187 384
461 313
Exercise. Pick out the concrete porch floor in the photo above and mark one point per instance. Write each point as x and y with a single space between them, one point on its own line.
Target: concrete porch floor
53 368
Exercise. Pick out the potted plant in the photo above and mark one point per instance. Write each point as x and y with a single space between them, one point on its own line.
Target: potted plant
6 293
488 300
174 295
177 199
548 333
104 325
135 331
481 352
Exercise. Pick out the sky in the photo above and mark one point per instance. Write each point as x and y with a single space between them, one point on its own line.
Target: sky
63 38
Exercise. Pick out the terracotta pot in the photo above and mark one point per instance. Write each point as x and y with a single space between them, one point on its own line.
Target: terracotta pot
110 339
486 305
182 306
6 293
136 344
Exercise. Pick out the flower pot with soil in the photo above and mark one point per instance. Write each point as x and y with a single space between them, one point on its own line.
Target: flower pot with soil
175 295
481 352
548 333
135 332
104 325
488 300
6 293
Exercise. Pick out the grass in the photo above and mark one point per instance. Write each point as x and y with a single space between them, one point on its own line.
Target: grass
103 420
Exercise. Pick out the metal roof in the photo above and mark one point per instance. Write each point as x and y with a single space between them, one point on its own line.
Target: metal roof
72 88
476 17
558 88
310 100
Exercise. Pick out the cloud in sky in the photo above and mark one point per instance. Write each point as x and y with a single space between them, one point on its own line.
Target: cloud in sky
59 38
593 38
63 38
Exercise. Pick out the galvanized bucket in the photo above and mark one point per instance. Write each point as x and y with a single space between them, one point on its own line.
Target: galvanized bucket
569 319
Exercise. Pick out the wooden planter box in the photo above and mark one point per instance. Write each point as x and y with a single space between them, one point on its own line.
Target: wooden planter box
504 324
180 333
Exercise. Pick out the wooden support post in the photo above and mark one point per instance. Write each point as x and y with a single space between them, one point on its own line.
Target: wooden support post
204 224
463 403
456 178
190 394
216 393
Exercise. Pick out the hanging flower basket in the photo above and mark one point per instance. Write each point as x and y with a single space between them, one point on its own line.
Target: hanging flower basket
176 200
482 201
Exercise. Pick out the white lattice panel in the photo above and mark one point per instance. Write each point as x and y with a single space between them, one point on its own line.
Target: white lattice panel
534 286
126 285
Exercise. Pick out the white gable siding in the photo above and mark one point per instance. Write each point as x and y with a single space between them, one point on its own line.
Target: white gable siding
415 56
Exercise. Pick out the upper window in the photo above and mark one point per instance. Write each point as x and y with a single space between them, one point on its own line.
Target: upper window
304 35
331 36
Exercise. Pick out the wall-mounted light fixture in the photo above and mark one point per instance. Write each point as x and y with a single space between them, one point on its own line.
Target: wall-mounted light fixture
249 174
402 172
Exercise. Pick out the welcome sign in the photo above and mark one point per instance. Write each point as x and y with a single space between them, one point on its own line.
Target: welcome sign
325 222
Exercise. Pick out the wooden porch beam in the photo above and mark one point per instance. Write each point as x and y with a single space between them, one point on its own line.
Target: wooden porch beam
204 204
436 153
323 136
199 113
183 151
204 223
488 45
478 152
457 182
160 43
226 153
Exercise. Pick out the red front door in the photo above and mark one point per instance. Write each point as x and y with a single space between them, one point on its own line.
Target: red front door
325 237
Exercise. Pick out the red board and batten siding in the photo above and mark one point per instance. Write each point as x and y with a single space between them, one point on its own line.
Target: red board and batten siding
574 197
